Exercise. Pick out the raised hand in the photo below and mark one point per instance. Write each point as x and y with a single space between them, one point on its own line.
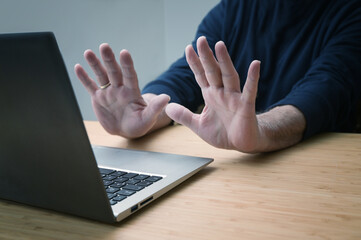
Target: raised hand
228 119
118 103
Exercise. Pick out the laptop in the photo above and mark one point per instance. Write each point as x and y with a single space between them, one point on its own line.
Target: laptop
46 159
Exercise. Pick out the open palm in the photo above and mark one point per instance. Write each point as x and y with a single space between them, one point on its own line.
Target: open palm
228 119
119 105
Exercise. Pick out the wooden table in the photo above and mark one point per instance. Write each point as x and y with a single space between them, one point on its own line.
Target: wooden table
309 191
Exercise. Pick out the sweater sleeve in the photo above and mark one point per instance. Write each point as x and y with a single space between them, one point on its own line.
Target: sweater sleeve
328 93
178 81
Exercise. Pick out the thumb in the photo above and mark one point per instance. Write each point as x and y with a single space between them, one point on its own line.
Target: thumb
156 105
182 115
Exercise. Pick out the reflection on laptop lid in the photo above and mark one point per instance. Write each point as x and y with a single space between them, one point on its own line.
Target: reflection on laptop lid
46 159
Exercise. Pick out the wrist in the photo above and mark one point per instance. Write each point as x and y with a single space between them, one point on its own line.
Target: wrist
280 127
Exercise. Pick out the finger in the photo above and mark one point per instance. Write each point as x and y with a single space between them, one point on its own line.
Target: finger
230 76
196 66
249 94
130 78
88 83
183 116
156 106
96 66
111 65
209 63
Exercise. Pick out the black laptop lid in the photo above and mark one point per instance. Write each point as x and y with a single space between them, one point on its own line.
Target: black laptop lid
45 156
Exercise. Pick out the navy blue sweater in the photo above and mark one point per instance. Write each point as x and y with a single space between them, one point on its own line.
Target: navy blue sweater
310 53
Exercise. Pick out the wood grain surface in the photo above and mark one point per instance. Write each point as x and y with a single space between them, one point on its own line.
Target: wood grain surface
309 191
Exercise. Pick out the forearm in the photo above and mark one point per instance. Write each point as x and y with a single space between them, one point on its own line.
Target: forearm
280 127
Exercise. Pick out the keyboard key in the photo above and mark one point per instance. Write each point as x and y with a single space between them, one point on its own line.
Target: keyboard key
112 202
106 171
109 177
111 190
130 175
121 180
154 178
118 173
126 192
141 177
118 185
132 181
107 183
111 195
144 183
133 187
119 198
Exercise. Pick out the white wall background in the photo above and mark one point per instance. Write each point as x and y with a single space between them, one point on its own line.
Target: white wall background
154 31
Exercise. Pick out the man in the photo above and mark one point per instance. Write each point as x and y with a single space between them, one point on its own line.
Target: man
309 82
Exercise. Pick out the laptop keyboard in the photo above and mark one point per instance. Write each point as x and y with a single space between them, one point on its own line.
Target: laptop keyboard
120 184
